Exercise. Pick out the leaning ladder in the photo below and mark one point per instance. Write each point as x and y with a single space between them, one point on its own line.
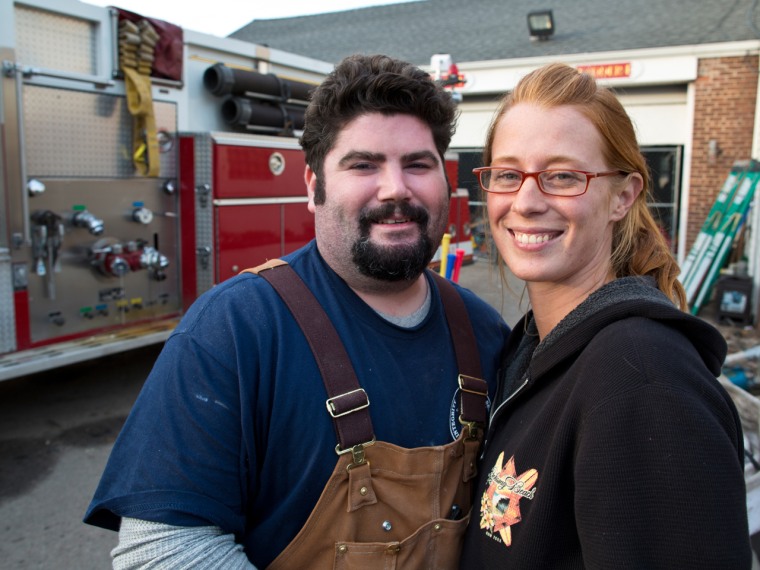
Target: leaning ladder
714 241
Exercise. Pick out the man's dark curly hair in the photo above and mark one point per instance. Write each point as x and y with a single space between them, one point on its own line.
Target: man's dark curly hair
363 84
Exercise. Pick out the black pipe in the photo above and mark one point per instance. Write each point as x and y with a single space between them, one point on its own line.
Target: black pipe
243 112
223 80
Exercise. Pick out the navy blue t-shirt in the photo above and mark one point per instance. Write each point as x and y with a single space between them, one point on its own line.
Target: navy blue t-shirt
231 427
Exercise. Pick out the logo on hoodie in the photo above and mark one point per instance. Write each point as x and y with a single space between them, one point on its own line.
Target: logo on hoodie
500 504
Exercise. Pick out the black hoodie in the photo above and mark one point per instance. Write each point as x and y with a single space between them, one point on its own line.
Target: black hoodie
612 445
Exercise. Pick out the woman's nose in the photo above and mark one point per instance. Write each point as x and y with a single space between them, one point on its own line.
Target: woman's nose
529 198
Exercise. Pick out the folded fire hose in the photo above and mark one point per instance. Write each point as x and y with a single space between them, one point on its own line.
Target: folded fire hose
137 43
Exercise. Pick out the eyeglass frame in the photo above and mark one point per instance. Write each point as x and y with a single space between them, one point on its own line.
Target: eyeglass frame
525 175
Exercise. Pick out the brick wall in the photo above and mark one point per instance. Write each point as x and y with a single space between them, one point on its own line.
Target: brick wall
725 99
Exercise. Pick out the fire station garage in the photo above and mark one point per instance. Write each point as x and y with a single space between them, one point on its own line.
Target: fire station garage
686 72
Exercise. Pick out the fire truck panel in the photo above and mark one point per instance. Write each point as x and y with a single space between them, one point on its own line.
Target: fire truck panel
98 255
103 255
73 133
259 225
248 235
258 171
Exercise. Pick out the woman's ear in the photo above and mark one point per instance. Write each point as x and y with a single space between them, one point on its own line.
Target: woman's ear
625 195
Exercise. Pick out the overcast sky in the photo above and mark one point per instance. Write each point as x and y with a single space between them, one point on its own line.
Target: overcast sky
222 17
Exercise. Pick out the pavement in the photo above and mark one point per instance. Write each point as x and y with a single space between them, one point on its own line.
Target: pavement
57 429
56 432
503 291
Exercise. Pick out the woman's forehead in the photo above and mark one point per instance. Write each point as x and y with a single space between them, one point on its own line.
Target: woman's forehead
528 129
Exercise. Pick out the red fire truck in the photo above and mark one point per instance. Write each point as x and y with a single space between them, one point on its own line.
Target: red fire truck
141 164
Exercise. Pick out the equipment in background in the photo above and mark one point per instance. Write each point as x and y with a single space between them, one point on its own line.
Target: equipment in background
713 244
137 42
258 102
734 295
104 244
446 73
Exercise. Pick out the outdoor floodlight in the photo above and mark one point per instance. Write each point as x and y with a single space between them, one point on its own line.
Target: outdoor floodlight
540 24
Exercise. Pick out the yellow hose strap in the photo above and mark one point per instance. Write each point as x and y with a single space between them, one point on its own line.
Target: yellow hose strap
144 141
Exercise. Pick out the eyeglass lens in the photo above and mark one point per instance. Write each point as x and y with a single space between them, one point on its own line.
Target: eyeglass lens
560 182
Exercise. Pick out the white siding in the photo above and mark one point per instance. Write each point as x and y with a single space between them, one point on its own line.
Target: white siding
660 118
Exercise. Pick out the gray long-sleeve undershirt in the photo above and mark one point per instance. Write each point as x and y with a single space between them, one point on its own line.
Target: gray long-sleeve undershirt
145 545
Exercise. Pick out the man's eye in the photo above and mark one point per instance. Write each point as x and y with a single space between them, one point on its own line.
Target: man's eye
362 166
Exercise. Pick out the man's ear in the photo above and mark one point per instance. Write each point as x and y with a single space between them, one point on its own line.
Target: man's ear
625 196
310 177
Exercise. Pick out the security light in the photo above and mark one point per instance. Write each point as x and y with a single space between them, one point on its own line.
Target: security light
540 24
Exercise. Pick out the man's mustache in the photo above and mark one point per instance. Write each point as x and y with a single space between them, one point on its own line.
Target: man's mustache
415 214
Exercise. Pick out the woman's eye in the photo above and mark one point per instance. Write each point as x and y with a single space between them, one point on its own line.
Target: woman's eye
506 176
565 176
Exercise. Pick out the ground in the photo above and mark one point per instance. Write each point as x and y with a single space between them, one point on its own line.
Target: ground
740 338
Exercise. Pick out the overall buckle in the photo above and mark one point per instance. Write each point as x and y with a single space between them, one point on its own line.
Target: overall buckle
476 386
357 453
334 404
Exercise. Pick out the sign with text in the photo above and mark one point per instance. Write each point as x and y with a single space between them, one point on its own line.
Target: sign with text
607 70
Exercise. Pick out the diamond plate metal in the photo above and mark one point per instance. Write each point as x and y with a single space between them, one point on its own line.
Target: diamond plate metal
55 41
204 211
82 133
7 309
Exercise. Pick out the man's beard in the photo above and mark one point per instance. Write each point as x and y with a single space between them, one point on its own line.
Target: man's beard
403 262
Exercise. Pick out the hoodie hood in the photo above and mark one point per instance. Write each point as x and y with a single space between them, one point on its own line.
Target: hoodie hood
620 299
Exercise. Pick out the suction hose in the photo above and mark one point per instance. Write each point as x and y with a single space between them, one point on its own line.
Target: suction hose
222 80
244 112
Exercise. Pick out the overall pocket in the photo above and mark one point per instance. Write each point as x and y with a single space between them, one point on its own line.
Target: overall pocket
436 545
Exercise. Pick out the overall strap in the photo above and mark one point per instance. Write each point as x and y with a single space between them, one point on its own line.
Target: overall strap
347 402
473 389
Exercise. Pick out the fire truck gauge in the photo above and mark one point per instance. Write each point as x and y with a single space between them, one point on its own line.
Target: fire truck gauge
276 163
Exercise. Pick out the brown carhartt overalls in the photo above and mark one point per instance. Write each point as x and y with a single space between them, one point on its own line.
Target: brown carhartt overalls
384 507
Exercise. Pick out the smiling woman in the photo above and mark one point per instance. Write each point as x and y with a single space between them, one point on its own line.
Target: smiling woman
609 422
559 241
